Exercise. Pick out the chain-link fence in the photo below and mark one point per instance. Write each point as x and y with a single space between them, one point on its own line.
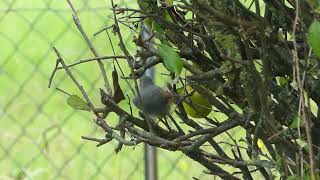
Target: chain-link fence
40 134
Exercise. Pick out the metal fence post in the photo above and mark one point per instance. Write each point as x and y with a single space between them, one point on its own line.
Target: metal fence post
150 153
150 163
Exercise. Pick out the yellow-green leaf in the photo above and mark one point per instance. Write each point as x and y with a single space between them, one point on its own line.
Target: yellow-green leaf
296 123
171 58
199 106
77 103
260 144
314 37
169 2
283 81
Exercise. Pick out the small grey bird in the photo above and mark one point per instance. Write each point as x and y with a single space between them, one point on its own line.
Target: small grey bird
156 102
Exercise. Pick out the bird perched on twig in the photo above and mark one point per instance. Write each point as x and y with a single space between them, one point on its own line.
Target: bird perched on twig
156 102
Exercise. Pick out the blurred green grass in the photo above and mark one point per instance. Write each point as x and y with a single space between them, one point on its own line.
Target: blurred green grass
40 134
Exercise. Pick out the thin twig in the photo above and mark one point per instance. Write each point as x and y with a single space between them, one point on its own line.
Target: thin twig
53 73
100 121
93 59
117 62
301 96
93 50
64 92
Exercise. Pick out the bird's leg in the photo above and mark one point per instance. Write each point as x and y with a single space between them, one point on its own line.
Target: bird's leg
165 122
177 125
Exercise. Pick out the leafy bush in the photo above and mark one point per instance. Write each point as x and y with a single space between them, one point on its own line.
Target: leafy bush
255 62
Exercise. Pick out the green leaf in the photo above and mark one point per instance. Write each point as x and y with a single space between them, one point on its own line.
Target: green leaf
226 67
317 10
283 81
171 58
169 2
167 16
293 178
314 37
314 2
77 103
296 123
143 4
307 176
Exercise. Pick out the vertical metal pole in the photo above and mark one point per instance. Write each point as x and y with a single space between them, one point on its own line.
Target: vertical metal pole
150 162
150 153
